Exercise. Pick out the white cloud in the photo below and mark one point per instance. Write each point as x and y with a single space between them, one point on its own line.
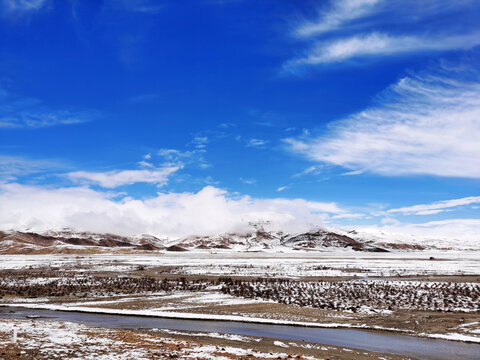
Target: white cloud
13 166
281 188
194 157
311 170
227 125
34 119
144 163
209 211
342 15
352 29
340 12
151 7
259 143
200 142
175 155
354 172
349 216
379 44
114 178
426 124
209 180
222 2
21 6
204 165
451 233
248 181
18 112
436 207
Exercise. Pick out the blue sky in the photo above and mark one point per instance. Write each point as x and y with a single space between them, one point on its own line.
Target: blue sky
348 113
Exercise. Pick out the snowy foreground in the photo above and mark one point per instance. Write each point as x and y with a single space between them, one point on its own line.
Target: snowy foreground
65 340
430 294
57 340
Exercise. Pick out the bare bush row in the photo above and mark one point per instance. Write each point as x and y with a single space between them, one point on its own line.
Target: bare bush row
331 295
82 286
356 295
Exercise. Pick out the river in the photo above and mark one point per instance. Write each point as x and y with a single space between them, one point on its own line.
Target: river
361 339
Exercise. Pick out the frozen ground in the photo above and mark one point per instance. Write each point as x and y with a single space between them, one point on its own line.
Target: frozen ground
60 340
359 290
291 264
65 340
440 308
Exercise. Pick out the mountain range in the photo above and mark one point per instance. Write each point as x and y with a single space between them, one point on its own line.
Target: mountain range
68 241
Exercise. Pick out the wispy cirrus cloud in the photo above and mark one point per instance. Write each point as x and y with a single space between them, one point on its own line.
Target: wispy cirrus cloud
138 6
174 154
311 170
26 112
222 2
145 164
11 167
200 142
339 13
187 157
248 181
380 44
427 124
360 29
436 207
116 178
346 15
21 7
257 143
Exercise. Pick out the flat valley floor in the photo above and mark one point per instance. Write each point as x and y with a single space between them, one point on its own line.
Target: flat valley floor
426 295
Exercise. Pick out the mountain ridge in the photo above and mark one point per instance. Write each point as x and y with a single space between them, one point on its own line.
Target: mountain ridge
66 240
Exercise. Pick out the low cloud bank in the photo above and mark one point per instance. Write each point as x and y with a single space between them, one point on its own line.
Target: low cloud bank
451 233
209 211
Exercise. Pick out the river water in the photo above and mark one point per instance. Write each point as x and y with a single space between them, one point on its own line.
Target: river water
360 339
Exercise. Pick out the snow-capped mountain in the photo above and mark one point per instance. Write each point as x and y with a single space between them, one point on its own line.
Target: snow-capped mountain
258 239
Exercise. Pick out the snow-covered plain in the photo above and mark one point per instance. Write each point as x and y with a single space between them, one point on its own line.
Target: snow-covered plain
293 264
313 265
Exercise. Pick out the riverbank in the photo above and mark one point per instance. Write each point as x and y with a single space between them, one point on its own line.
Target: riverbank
52 340
344 338
230 318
